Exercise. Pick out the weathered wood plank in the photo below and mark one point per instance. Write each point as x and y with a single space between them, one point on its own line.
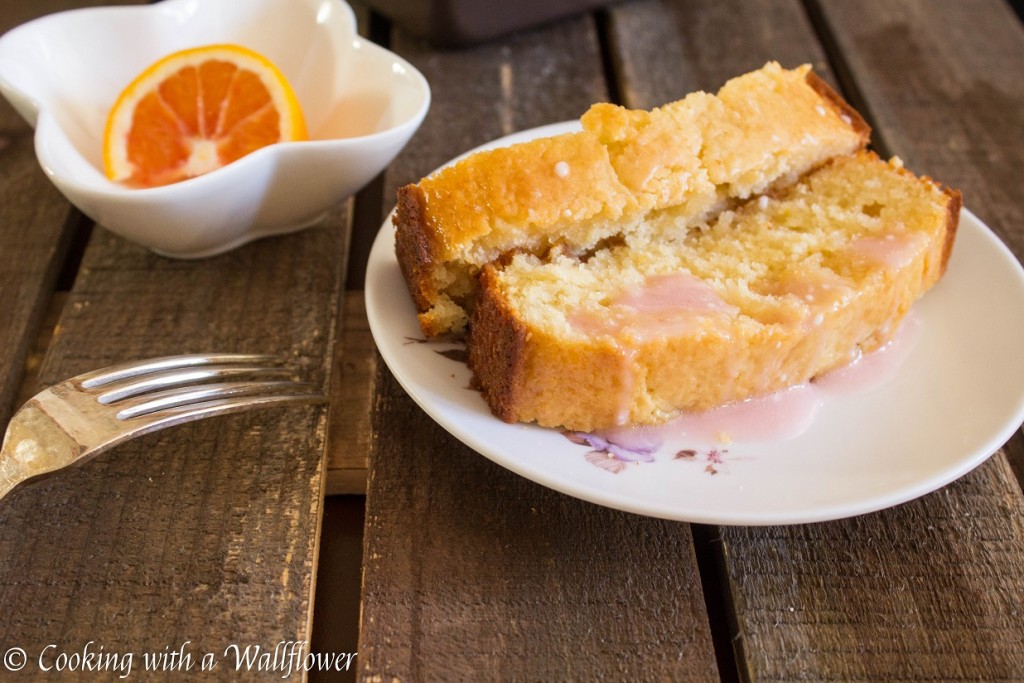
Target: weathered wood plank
931 589
30 384
473 573
36 226
482 93
664 49
205 533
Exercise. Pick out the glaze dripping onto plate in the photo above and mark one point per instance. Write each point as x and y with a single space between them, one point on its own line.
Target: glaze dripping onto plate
779 416
955 398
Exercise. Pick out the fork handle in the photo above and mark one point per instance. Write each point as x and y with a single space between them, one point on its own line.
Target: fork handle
34 445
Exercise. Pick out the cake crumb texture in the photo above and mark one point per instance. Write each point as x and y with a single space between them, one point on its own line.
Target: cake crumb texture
576 191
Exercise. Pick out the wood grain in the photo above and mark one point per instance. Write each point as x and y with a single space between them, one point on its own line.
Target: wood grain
206 533
30 384
664 49
930 589
471 572
485 92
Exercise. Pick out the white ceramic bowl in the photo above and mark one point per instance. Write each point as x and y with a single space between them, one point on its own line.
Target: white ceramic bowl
63 73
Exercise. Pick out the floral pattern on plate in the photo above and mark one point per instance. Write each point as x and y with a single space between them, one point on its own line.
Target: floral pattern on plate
616 457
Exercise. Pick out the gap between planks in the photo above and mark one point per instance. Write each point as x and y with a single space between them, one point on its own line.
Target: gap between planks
34 358
351 400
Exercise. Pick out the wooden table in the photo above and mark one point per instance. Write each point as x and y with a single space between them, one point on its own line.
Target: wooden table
208 535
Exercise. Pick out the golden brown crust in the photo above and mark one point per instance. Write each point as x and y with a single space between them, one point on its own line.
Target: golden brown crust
497 349
412 245
841 106
956 202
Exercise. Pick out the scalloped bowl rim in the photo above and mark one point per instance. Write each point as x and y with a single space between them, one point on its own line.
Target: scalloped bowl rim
357 158
114 188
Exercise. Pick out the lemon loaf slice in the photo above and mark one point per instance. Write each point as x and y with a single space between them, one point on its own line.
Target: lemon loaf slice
769 294
578 189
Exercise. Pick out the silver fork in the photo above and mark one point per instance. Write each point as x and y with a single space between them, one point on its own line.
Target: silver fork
74 420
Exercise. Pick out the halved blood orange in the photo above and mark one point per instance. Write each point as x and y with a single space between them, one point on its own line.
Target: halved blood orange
196 110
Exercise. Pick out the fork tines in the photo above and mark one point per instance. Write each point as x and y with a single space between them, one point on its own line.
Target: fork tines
115 373
179 384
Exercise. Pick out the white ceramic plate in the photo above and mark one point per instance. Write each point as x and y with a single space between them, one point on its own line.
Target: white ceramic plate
953 401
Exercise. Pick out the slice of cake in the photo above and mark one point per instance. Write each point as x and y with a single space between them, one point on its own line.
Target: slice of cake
766 295
576 191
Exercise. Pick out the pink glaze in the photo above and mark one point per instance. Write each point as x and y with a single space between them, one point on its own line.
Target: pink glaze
891 250
628 379
775 417
665 305
674 293
782 415
872 370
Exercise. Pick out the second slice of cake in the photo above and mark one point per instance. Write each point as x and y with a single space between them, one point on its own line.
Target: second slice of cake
768 295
